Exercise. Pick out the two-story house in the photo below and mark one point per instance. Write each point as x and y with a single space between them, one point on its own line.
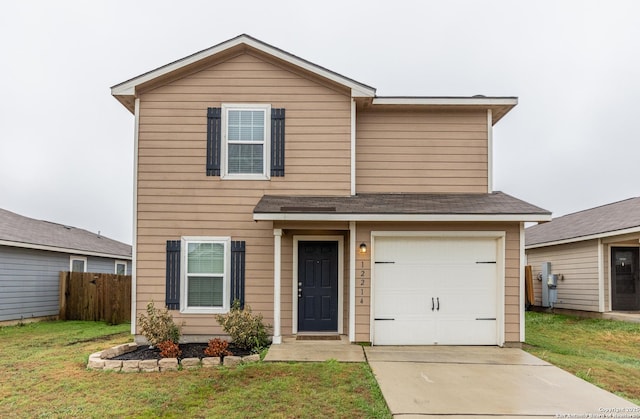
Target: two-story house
263 177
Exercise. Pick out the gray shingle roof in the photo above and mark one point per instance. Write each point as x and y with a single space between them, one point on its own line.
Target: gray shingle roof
608 218
400 203
28 231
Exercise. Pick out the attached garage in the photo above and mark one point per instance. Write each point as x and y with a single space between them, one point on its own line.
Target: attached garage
437 289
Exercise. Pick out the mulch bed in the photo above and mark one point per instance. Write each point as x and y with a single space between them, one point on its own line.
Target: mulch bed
189 350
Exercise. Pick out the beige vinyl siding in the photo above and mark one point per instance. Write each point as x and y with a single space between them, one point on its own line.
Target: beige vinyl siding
176 198
512 269
578 263
421 152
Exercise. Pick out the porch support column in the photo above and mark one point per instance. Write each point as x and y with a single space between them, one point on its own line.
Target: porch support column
352 281
277 265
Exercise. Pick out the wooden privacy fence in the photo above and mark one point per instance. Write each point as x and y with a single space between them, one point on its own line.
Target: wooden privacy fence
95 297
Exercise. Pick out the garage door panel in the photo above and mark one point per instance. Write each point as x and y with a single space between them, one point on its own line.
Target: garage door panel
409 331
457 274
401 276
410 302
479 332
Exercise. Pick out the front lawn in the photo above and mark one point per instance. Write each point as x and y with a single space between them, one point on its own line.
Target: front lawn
43 369
603 352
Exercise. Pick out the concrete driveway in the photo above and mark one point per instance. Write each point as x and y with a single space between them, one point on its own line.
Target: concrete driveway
477 382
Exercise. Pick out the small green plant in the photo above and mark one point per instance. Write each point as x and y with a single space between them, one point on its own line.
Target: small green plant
218 347
169 349
158 326
246 329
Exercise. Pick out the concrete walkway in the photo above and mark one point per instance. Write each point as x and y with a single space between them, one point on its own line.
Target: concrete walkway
315 351
478 382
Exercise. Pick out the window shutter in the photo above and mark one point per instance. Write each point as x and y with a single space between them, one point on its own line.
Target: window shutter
237 271
277 142
214 140
172 298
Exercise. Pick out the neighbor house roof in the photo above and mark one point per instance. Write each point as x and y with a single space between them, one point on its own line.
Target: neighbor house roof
608 220
19 231
496 206
127 91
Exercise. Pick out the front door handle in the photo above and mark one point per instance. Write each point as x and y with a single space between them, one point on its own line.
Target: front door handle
438 299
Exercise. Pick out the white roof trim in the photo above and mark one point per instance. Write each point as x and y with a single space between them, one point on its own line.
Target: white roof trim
127 88
62 250
585 238
399 217
446 101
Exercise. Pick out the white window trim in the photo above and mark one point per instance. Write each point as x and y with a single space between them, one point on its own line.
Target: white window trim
120 262
82 258
226 287
265 175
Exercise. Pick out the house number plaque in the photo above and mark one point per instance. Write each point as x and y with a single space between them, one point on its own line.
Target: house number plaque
361 284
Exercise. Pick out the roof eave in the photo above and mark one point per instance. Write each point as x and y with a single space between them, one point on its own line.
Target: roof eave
602 235
279 216
128 88
63 250
500 105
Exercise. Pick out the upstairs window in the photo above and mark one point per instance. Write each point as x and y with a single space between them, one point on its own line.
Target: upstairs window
246 141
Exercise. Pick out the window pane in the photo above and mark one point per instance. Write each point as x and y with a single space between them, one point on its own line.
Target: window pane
205 258
245 125
77 265
204 292
121 269
246 158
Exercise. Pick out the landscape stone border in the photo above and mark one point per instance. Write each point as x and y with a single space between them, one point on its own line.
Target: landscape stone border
102 361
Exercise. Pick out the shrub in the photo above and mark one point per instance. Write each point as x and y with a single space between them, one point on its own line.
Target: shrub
246 329
217 347
169 349
158 326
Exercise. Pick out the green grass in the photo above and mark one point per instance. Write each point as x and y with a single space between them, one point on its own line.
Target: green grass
43 370
603 352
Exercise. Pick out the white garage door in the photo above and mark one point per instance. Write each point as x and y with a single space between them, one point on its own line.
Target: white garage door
435 291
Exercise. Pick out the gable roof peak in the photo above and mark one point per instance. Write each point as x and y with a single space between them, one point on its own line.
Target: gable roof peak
125 92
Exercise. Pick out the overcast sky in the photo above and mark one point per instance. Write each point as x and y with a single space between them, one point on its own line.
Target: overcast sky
66 145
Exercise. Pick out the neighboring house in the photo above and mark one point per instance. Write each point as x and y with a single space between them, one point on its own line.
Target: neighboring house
264 177
34 252
596 252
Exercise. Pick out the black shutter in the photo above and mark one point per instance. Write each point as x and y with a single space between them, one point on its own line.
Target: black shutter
277 142
237 272
214 140
172 298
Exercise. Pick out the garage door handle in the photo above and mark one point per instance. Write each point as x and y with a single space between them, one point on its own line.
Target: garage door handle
485 318
382 319
438 299
433 304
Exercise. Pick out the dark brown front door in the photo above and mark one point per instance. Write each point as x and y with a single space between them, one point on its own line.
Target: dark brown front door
625 286
318 286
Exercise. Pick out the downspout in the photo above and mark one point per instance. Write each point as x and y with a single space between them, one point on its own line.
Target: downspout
489 151
601 277
522 285
134 247
353 146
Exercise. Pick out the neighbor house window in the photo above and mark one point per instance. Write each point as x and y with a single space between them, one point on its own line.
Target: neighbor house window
121 267
206 274
78 264
246 133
